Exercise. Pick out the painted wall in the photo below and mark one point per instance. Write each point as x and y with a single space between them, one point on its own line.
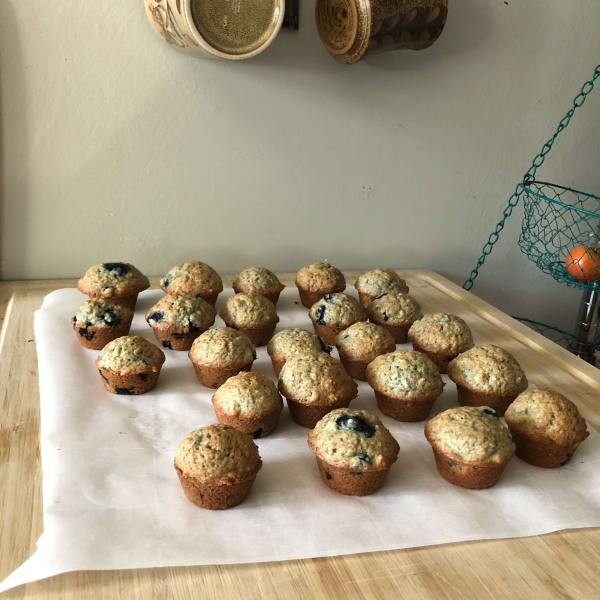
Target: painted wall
115 147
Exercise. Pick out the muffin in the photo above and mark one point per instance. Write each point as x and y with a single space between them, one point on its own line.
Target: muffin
253 315
546 428
395 312
257 280
130 365
249 402
217 466
99 321
316 280
354 451
218 354
442 337
119 282
487 376
470 445
290 343
195 278
406 384
333 313
314 386
379 281
178 319
360 344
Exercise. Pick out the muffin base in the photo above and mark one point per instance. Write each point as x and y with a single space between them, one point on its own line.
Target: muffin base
467 397
259 426
365 299
259 336
351 483
214 377
398 332
95 338
440 360
307 299
129 385
309 415
212 299
277 365
542 453
357 369
466 475
328 333
410 411
126 301
215 495
174 339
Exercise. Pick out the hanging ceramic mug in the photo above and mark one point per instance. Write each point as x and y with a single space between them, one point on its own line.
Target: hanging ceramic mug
354 29
227 29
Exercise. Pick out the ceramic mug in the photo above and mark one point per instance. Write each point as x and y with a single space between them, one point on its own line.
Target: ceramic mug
227 29
354 29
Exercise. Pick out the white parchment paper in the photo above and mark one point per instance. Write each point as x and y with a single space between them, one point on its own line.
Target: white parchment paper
112 499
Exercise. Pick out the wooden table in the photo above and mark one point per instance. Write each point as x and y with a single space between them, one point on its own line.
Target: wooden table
559 565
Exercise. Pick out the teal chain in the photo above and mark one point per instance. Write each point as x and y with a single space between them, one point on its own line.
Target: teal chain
538 161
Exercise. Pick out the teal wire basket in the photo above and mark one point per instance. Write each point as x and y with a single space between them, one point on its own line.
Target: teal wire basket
556 219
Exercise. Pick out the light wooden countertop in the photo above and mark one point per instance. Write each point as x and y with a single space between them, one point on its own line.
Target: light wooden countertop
565 564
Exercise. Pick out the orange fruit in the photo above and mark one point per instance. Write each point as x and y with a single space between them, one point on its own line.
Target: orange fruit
583 263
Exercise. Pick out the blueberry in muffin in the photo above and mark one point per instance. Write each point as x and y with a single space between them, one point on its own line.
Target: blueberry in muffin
333 313
395 312
99 321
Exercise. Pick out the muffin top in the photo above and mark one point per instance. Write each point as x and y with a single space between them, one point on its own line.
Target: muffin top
364 341
193 277
338 310
443 333
218 452
112 279
99 312
380 281
405 375
224 347
353 438
394 308
185 312
488 370
544 414
249 311
320 380
321 278
293 342
249 394
471 434
130 354
257 280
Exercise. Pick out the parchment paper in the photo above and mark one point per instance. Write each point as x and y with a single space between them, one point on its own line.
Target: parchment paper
112 499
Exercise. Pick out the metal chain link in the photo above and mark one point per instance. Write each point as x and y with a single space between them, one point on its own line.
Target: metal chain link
538 161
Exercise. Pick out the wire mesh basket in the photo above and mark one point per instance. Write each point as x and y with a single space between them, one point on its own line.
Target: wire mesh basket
560 231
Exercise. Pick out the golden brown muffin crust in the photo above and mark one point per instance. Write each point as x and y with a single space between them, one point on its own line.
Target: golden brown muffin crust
293 342
394 308
223 347
443 333
99 312
194 277
249 311
380 281
321 278
108 280
364 342
248 394
130 354
186 312
338 310
256 280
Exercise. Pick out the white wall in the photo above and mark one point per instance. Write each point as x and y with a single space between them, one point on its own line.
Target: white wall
115 147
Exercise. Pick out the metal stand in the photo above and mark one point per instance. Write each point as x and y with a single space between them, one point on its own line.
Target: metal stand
587 329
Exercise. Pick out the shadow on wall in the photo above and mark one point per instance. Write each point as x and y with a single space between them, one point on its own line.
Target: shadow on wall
14 151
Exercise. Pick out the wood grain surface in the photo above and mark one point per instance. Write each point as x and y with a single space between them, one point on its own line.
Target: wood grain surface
564 565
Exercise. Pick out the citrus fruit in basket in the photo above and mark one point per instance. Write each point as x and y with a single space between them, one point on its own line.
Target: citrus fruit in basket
583 263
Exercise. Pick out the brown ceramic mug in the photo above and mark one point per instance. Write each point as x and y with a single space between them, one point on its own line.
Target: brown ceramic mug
354 29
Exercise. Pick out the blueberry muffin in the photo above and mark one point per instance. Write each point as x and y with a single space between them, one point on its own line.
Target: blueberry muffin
130 365
119 282
318 279
406 384
217 466
546 428
99 321
395 312
487 376
257 280
178 319
253 315
314 386
293 342
249 402
195 278
354 451
218 354
442 337
470 445
333 313
360 344
379 281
